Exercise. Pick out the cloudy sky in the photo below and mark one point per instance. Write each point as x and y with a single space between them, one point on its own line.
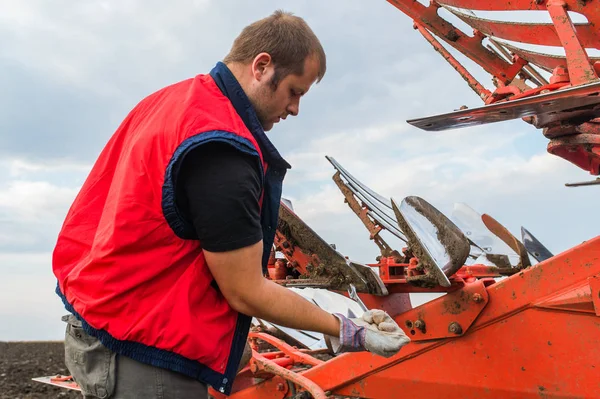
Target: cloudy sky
71 70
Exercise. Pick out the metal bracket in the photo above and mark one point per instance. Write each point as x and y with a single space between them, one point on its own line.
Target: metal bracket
446 317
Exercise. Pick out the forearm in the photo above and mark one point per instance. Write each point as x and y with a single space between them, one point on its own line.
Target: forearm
238 274
279 305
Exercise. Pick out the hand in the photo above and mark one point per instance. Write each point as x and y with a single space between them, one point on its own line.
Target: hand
375 332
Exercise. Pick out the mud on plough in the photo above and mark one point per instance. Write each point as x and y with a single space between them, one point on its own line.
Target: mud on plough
513 320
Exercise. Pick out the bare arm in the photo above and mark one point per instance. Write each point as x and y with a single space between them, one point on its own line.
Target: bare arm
238 274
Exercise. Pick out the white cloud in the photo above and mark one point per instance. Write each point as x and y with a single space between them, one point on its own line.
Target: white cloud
83 43
22 168
29 201
34 199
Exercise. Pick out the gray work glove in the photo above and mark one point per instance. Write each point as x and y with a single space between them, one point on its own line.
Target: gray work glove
375 332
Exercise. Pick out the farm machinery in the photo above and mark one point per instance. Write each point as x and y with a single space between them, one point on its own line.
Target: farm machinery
511 319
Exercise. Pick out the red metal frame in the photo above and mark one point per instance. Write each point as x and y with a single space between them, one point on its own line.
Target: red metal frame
511 66
534 335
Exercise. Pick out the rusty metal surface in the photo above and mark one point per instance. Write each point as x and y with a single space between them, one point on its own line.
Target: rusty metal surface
512 64
528 71
326 264
584 98
446 317
582 150
545 61
587 8
542 34
579 64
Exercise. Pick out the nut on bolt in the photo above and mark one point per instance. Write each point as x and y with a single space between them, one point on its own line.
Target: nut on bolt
477 298
280 387
455 328
420 324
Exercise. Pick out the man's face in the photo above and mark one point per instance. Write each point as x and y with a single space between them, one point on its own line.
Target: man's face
273 104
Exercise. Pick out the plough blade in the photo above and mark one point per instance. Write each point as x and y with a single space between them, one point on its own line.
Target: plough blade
438 243
534 246
575 101
331 266
502 232
495 251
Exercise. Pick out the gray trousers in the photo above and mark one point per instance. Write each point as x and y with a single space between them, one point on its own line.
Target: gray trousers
103 374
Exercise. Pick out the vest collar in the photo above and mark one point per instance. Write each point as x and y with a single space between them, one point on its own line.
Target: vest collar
231 88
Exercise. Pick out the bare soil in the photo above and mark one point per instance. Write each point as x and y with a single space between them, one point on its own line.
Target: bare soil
22 361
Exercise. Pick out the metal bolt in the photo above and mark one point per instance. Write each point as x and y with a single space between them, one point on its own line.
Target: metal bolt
280 387
420 324
477 298
455 328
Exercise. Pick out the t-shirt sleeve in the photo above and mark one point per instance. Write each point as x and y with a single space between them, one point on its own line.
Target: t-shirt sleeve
219 189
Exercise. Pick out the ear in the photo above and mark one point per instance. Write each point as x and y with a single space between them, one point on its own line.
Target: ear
260 66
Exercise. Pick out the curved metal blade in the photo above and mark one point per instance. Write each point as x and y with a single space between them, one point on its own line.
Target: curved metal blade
438 243
502 232
534 246
551 107
334 267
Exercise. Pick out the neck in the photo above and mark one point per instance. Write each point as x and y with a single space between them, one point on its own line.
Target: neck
241 74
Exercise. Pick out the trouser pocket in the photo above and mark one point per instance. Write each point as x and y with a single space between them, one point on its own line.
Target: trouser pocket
90 363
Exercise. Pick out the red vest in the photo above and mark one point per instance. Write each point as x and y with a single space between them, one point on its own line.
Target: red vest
126 261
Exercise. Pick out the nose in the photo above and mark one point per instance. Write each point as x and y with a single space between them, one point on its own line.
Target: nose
294 108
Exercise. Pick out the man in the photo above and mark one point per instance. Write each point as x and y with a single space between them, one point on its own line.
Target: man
160 259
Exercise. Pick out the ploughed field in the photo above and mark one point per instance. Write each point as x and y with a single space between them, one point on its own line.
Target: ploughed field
21 361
